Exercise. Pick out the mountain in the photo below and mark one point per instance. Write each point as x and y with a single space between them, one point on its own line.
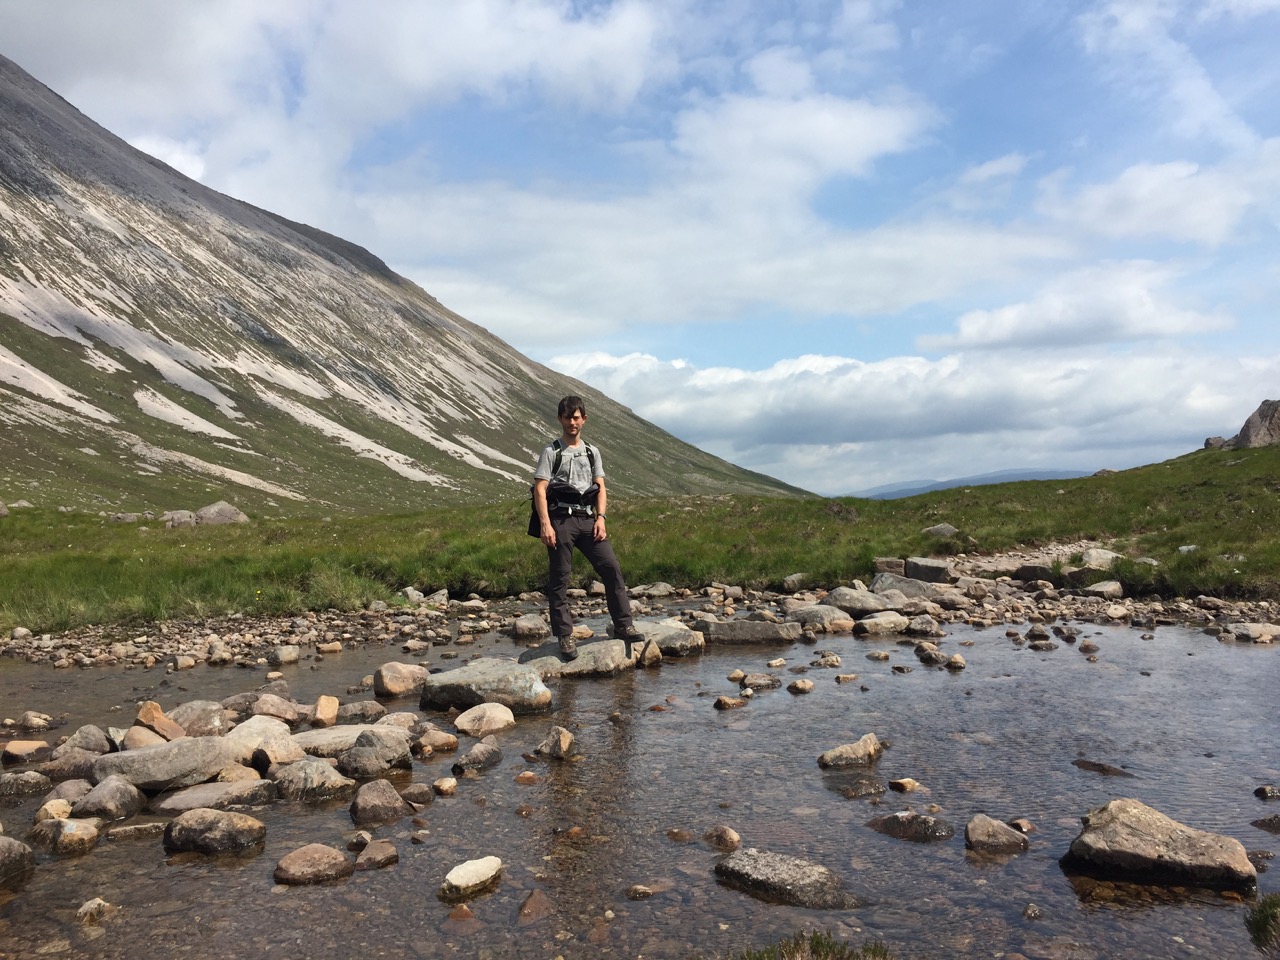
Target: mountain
164 345
911 488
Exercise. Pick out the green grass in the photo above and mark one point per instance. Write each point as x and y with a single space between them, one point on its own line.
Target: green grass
1263 923
815 946
64 570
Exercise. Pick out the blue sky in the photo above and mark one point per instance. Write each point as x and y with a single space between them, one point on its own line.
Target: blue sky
842 243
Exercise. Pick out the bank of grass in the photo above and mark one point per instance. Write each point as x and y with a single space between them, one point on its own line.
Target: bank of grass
61 570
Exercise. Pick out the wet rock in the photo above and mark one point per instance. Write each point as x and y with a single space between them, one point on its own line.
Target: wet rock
311 780
88 738
314 863
904 785
559 744
759 681
1105 769
64 838
470 878
398 679
930 655
215 796
378 802
284 655
377 855
376 751
915 827
485 680
92 911
1267 793
167 766
1043 646
484 719
529 627
800 686
881 624
333 742
1270 824
537 906
822 618
419 794
857 603
673 638
445 787
785 879
56 809
112 799
729 703
748 631
600 658
25 751
17 861
200 718
864 752
28 783
431 739
73 764
723 838
213 832
70 790
361 712
482 756
982 834
246 737
1126 839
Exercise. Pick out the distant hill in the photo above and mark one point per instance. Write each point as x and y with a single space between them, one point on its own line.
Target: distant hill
910 488
164 345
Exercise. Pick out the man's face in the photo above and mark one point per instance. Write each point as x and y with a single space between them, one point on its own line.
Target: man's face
572 423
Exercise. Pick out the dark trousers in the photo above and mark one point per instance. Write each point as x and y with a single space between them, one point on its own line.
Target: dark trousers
576 532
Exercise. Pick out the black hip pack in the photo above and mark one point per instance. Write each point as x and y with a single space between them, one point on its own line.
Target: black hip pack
563 495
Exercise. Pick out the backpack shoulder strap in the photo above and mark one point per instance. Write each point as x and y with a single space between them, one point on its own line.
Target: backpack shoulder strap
555 464
591 459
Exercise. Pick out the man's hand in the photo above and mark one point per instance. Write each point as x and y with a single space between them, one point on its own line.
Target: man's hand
548 535
597 530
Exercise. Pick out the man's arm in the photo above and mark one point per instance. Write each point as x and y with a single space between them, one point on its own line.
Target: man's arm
544 516
602 504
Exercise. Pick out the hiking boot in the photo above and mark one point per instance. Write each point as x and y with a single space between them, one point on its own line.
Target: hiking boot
568 648
628 634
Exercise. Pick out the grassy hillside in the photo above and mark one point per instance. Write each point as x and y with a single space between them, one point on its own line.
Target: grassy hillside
63 570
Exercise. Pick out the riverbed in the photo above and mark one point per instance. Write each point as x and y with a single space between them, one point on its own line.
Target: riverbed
1192 719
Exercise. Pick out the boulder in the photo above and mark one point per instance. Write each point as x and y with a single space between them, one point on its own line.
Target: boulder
482 756
378 802
778 877
25 751
326 711
158 722
748 631
64 838
375 752
916 827
246 737
907 586
314 863
201 718
28 783
487 679
311 780
983 834
114 798
361 711
215 796
376 855
929 570
485 718
857 603
89 738
398 679
275 750
213 832
1262 429
529 627
271 705
881 624
672 637
219 513
331 741
1107 590
821 616
468 879
167 766
16 862
1126 839
864 752
558 745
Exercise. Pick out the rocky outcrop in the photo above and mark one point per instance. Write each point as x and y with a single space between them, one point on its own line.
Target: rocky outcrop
1262 429
1126 839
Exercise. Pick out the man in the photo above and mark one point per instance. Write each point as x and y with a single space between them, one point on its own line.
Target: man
570 500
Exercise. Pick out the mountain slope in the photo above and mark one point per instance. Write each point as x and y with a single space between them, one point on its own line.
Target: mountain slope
162 344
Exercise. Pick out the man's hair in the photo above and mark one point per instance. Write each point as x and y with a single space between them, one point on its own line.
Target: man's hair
569 405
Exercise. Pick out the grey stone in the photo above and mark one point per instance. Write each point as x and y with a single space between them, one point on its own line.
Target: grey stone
1126 839
864 752
396 679
822 616
531 626
28 783
246 737
929 570
558 745
908 586
361 711
17 861
73 764
481 756
314 863
201 718
673 638
215 796
467 879
378 802
857 603
487 679
912 826
790 880
219 513
311 780
1107 590
168 766
114 798
940 531
88 738
375 752
213 832
880 624
484 719
748 631
64 838
983 834
331 741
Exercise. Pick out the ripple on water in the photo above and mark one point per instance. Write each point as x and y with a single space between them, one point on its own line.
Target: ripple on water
1192 719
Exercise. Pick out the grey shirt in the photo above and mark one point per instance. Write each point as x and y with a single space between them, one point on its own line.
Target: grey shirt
575 466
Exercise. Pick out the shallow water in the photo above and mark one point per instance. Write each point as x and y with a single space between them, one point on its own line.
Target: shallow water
1194 720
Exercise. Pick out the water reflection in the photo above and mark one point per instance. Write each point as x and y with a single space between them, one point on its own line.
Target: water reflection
1192 719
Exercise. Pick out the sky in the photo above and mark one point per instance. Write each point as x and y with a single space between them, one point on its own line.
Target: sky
845 244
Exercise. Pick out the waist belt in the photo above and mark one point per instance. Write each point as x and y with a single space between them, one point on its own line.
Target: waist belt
573 509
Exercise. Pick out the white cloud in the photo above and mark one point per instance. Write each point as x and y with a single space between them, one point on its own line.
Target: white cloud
1239 8
836 425
184 157
1177 200
1103 304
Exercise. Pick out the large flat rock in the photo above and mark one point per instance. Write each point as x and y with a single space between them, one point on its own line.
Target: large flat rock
167 766
487 680
784 879
1125 839
748 631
